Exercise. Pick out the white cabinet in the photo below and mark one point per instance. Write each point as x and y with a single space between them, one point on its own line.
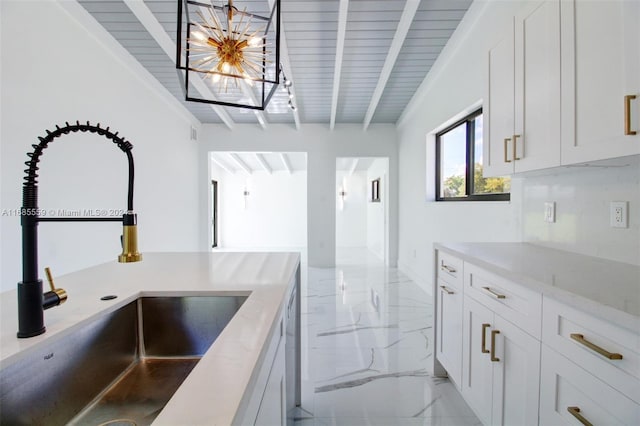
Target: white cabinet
449 313
449 345
272 411
522 97
590 369
600 67
572 395
500 368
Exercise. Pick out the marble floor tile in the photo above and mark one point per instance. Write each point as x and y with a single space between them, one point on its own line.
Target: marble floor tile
365 338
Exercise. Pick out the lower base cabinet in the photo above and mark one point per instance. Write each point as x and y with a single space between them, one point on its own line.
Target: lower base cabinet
572 396
272 411
500 368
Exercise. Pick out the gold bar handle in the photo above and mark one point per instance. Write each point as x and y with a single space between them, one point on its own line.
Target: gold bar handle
506 143
580 339
447 289
484 338
494 293
627 116
447 268
515 142
494 358
575 412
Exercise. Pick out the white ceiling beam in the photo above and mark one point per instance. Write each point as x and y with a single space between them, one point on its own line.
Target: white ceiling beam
236 158
222 165
286 66
248 92
263 163
77 12
285 161
409 12
353 166
155 29
337 68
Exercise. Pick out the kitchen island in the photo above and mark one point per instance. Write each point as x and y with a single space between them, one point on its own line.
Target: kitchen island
220 389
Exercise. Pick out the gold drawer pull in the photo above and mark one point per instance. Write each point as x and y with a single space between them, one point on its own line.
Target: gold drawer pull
484 338
575 412
580 339
497 295
627 116
494 358
506 142
448 268
447 289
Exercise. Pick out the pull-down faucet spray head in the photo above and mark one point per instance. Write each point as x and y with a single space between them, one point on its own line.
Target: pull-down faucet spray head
129 240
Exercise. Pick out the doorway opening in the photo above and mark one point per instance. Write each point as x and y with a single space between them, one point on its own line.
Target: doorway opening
261 201
362 209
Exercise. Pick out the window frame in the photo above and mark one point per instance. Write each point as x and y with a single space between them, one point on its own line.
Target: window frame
470 156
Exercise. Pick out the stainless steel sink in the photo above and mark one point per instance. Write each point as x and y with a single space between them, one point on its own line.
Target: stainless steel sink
120 369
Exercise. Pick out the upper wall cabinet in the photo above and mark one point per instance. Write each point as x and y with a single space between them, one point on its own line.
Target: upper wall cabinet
522 98
600 77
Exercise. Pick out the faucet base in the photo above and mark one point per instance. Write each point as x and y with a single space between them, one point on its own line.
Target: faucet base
30 311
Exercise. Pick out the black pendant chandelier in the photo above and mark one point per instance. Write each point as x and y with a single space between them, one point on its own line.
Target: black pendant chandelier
228 55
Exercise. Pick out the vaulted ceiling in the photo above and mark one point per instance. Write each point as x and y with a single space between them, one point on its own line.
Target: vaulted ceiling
351 61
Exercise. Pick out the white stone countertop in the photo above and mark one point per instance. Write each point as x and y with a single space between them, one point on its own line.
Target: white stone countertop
215 390
604 288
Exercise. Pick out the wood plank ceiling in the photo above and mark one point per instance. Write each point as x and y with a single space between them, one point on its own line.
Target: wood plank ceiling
351 61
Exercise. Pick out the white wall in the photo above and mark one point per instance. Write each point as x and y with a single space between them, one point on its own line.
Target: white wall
582 199
322 146
351 221
455 84
276 212
54 71
376 211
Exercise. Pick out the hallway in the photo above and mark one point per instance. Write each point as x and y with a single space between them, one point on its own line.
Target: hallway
365 348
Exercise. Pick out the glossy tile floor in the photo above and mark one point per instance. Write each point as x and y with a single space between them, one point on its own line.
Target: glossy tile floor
365 347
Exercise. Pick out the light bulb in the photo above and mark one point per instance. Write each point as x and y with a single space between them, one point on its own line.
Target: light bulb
254 41
287 83
290 95
199 35
215 78
225 67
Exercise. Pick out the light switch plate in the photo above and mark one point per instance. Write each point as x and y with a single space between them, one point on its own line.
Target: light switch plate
618 216
550 212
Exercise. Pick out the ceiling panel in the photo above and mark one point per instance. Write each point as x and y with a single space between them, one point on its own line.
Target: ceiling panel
311 31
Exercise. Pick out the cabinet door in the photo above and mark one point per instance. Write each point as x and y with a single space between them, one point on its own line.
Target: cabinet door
537 87
476 386
516 370
272 411
449 323
498 108
600 54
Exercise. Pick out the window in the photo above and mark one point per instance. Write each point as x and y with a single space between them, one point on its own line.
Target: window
459 164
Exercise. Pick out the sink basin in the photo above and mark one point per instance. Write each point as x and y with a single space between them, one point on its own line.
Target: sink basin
119 369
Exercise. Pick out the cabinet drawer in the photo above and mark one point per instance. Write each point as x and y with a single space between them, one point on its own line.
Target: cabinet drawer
564 385
450 269
561 322
511 301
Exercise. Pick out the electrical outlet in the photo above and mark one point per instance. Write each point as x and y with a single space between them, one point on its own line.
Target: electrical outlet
550 212
618 214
